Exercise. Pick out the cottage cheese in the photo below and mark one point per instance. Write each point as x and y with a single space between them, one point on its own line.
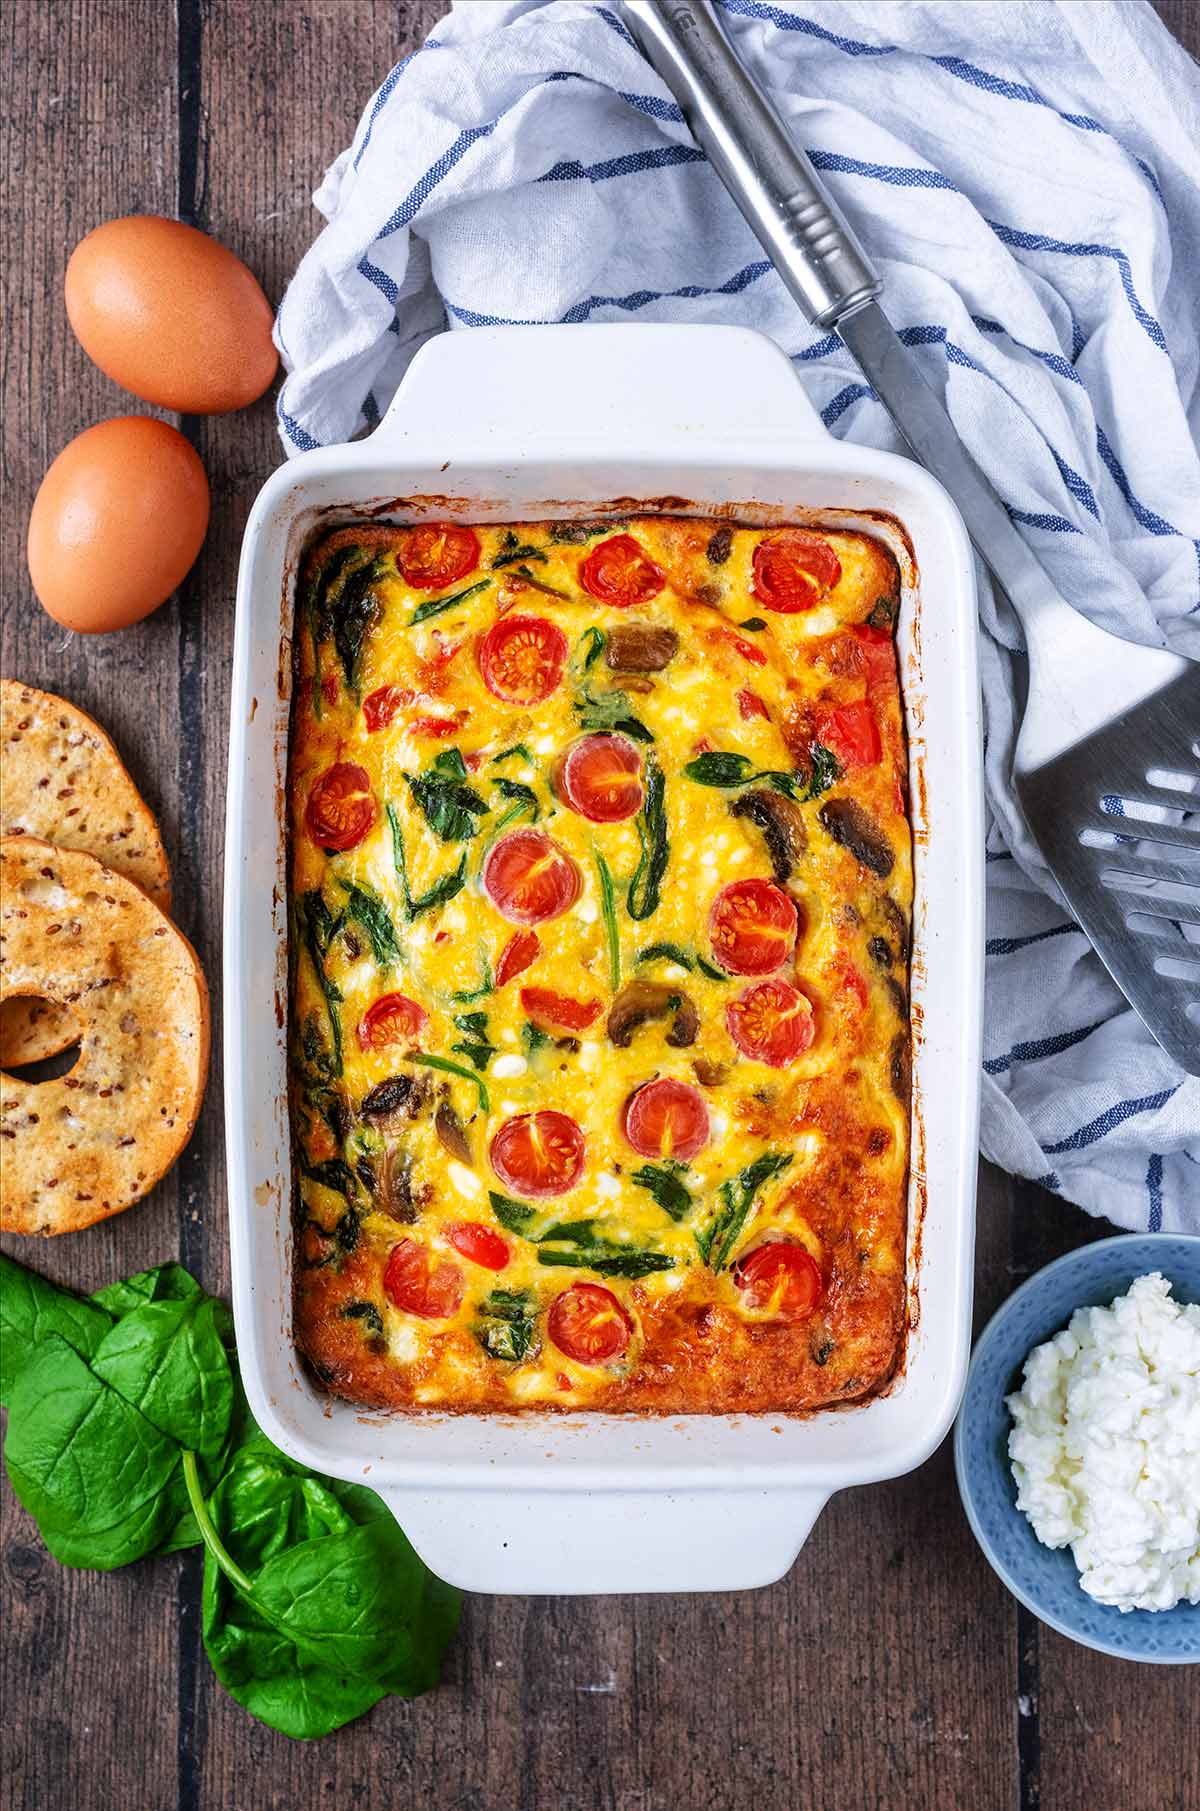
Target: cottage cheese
1105 1447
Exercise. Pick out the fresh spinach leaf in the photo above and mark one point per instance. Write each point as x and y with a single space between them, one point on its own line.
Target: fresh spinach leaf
434 606
31 1308
81 1458
737 1197
447 803
164 1283
168 1360
365 906
662 1181
644 893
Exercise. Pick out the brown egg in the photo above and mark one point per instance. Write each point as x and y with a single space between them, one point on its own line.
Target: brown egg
116 524
171 315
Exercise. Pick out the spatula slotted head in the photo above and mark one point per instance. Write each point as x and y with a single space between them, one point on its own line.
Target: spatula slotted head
1117 818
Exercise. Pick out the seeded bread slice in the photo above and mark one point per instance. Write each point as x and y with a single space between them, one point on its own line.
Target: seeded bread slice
88 1145
64 781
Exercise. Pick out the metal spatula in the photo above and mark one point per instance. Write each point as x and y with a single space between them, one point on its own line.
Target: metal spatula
1107 764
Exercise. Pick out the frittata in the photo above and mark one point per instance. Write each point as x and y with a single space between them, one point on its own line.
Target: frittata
601 884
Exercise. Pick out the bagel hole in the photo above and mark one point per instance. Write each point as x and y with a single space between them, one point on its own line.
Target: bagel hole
27 1016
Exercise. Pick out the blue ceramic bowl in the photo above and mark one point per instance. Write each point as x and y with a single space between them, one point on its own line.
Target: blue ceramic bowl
1046 1581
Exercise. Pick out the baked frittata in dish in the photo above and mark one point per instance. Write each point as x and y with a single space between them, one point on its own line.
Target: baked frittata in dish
601 884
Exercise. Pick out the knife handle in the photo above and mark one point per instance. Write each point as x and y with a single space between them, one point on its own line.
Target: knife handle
793 216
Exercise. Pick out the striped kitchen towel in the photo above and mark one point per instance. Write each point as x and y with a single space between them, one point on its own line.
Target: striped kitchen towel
1028 178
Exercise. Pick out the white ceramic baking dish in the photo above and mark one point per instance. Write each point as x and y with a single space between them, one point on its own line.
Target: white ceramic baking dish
500 424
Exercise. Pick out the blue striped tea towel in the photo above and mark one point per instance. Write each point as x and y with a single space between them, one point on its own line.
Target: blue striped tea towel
1028 178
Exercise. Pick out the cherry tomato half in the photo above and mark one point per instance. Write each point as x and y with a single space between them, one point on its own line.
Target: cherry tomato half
522 948
851 731
436 554
780 1279
522 658
752 926
556 1011
772 1023
391 1019
420 1282
601 779
479 1243
621 573
341 807
588 1323
539 1154
793 570
528 878
666 1119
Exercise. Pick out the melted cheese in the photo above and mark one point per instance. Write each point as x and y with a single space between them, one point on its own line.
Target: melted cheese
836 1111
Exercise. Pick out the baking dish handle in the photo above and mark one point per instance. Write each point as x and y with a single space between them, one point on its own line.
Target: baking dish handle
582 1543
630 390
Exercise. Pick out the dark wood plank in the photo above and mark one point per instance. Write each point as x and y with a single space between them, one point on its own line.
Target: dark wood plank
90 133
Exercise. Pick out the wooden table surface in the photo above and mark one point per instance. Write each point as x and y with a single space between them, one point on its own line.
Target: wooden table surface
890 1663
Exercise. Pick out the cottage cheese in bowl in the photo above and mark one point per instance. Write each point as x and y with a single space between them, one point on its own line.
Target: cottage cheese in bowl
1105 1447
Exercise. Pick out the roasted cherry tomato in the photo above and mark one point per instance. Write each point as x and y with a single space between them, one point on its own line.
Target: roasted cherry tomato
556 1011
479 1243
381 707
772 1023
391 1019
341 807
779 1279
666 1119
752 926
878 653
601 779
420 1282
528 878
522 658
436 554
588 1323
522 948
793 570
621 573
851 731
751 705
539 1154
